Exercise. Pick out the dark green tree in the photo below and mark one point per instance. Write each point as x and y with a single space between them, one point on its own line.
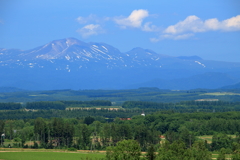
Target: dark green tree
84 137
200 152
236 155
2 124
41 130
172 151
88 120
124 150
151 155
221 155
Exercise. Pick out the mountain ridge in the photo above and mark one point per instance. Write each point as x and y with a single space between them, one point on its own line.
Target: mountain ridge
74 64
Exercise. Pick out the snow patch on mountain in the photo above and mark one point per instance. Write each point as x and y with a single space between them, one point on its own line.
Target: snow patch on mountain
105 48
200 63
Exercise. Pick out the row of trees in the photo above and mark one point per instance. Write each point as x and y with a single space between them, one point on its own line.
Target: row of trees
201 123
59 105
130 149
57 131
46 105
73 113
179 106
97 132
88 103
185 105
10 106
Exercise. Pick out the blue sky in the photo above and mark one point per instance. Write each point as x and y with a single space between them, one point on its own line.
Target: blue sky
209 29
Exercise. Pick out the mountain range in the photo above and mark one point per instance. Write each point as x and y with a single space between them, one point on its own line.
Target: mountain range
73 64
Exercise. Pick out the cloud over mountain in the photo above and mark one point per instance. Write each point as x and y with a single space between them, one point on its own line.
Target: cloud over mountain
193 24
89 30
182 30
133 20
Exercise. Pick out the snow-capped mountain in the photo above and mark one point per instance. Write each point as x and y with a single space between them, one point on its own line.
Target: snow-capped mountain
71 63
65 52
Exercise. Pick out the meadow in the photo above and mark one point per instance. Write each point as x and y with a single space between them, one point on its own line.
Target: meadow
43 154
208 138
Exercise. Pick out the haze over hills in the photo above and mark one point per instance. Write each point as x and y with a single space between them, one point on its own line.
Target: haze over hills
72 64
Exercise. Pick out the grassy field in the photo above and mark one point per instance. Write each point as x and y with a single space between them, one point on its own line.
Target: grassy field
228 156
57 154
49 155
209 137
221 94
206 137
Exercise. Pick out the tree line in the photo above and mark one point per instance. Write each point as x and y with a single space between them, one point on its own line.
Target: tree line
171 134
47 105
10 106
87 103
185 105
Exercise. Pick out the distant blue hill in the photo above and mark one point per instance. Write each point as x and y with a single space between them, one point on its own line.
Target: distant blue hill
73 64
235 86
190 57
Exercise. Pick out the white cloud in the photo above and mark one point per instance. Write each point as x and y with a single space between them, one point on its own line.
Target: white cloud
193 24
83 20
89 30
148 27
170 36
212 24
231 24
183 36
91 18
181 30
133 20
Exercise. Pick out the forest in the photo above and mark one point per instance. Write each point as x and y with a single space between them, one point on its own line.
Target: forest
163 130
194 124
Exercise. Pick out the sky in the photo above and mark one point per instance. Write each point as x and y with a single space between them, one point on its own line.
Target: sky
209 29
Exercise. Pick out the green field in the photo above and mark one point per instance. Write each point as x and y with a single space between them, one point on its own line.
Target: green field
20 154
209 137
206 137
34 155
220 93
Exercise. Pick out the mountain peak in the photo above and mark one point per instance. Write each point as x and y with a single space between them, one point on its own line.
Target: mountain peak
71 63
67 42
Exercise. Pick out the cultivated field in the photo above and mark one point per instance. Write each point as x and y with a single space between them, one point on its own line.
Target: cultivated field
43 154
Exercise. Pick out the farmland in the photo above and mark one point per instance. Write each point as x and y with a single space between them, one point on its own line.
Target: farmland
38 154
43 154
